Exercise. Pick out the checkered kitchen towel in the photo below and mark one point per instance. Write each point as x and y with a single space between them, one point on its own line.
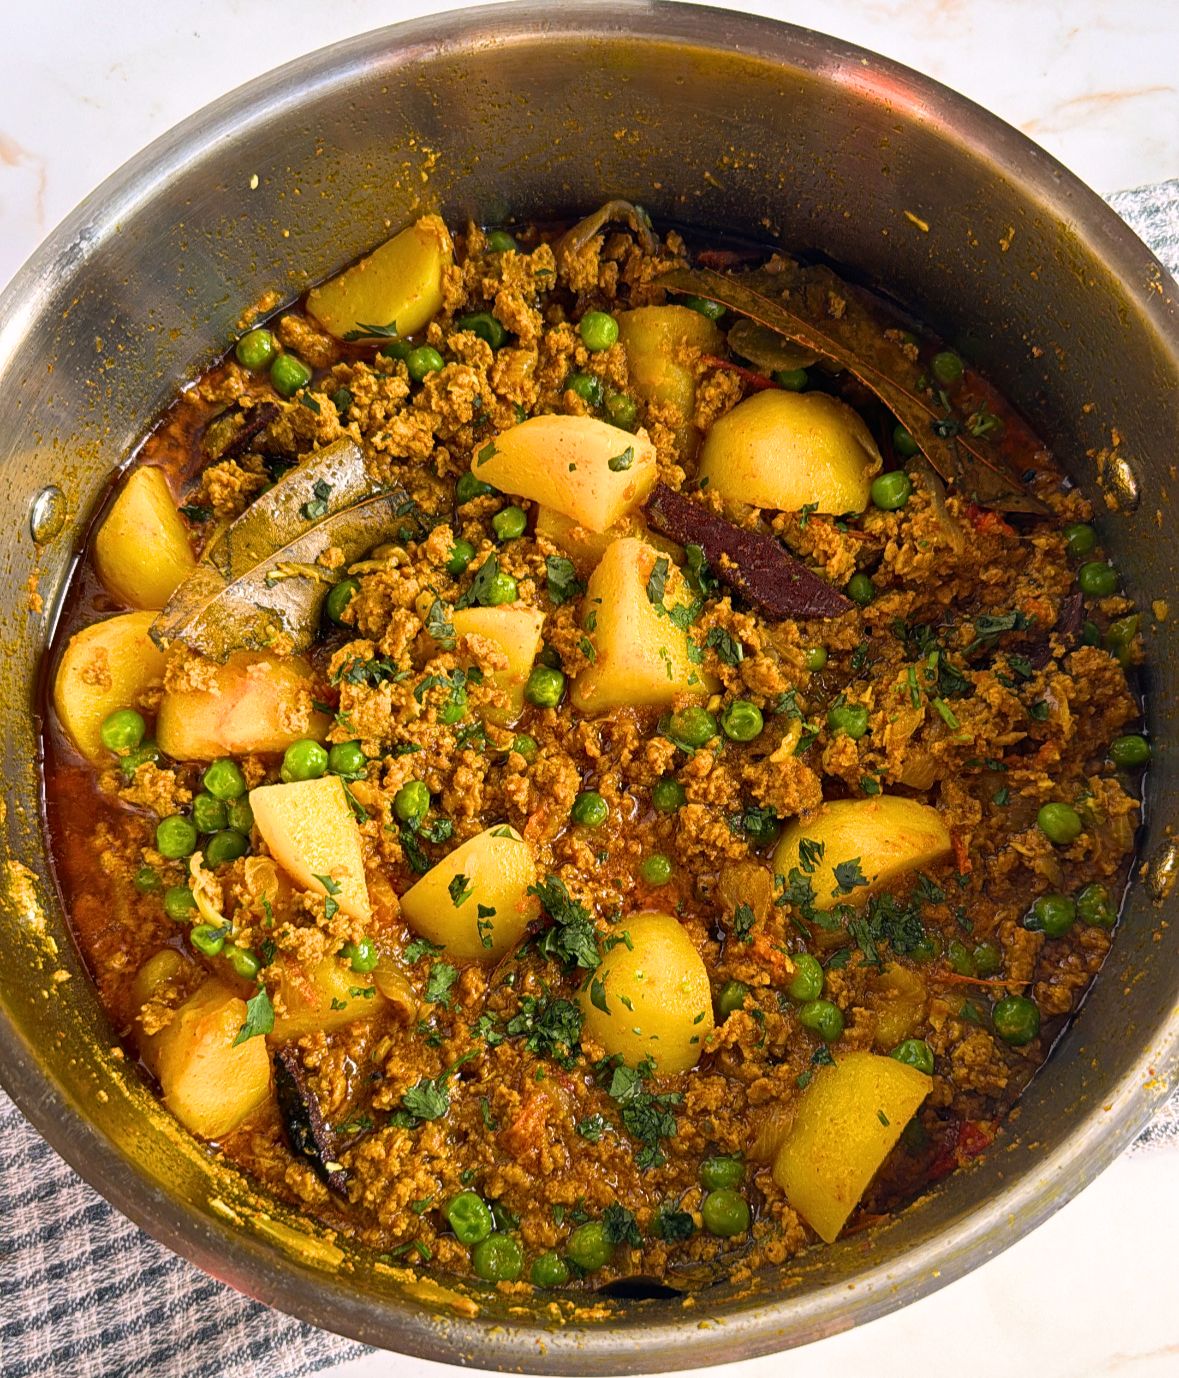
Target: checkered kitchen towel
84 1293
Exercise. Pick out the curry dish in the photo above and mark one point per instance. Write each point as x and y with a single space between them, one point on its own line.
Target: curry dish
577 753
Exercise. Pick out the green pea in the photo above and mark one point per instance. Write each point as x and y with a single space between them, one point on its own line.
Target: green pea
926 948
395 349
501 242
461 555
454 709
589 1246
288 375
892 490
1016 1020
761 828
792 379
822 1017
245 963
524 745
622 410
988 958
501 588
339 596
130 763
224 780
544 686
411 801
423 361
484 324
1052 915
694 726
208 938
732 997
469 1217
548 655
589 809
656 869
342 401
147 880
549 1270
860 589
807 982
363 956
226 845
1080 538
123 730
915 1052
814 657
179 904
1060 823
176 837
598 330
587 387
1119 637
742 721
959 957
668 795
347 759
468 488
239 816
303 760
712 310
1094 906
209 813
849 718
255 349
725 1213
1097 579
509 524
1130 751
722 1171
903 443
946 367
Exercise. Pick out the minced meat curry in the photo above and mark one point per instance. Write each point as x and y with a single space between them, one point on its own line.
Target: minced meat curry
577 754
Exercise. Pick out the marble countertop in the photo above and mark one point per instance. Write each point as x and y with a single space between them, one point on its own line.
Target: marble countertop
1097 84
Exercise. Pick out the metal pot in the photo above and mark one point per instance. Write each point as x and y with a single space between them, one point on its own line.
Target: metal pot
705 117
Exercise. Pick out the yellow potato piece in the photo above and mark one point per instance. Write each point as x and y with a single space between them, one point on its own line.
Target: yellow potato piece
325 996
640 655
656 993
166 965
141 551
663 344
497 867
256 702
397 288
846 1124
585 548
785 450
888 835
516 632
310 831
209 1084
104 667
564 462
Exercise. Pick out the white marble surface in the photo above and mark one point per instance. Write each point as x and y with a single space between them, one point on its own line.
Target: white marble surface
1096 82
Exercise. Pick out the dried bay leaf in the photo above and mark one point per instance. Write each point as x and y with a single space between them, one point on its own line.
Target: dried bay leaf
771 352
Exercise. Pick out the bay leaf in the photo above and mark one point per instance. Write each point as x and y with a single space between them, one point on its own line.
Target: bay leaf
578 236
769 351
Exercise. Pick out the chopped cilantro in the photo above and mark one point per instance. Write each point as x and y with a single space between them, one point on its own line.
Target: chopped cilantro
727 647
621 1226
620 463
743 919
561 579
672 1224
316 508
459 889
657 581
440 982
849 876
259 1017
572 938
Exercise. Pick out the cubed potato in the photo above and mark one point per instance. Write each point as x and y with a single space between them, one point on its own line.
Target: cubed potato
475 902
104 667
663 344
311 832
515 631
847 1121
641 656
141 551
165 966
323 996
581 467
256 703
650 997
888 836
786 450
396 289
896 996
209 1084
585 548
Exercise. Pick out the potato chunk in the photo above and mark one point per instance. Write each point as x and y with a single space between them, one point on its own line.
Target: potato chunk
475 902
311 833
785 450
577 465
141 551
209 1084
324 996
640 654
886 834
107 666
585 548
662 346
655 994
515 631
397 288
846 1124
256 702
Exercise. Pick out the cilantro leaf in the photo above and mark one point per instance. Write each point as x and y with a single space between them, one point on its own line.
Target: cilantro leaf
572 938
561 579
657 580
440 982
727 647
259 1017
621 1226
419 948
672 1224
460 889
620 463
849 876
743 923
